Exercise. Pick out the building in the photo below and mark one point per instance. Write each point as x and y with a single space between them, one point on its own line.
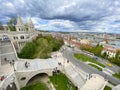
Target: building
110 50
85 41
21 27
24 33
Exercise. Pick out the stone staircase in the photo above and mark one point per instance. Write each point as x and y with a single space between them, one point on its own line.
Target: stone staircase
75 77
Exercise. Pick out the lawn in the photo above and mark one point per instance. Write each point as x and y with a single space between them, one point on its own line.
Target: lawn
86 58
37 86
107 88
116 75
112 83
60 82
100 69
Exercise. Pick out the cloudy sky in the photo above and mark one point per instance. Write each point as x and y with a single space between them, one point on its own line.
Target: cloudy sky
65 15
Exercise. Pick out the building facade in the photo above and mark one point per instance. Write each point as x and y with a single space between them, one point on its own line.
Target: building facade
111 51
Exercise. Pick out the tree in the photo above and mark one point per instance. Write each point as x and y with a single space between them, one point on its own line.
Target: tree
11 24
28 51
117 58
1 26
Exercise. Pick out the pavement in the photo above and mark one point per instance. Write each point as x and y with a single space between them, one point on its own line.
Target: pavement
75 76
6 69
6 51
96 82
35 64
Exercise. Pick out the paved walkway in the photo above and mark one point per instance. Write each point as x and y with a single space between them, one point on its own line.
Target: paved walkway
77 79
36 64
6 51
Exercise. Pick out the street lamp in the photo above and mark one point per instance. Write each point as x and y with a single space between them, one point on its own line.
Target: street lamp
12 63
69 85
55 73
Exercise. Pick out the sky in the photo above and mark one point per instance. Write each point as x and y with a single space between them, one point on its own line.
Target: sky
65 15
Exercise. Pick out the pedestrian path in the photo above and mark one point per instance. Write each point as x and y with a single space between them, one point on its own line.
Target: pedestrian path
74 75
35 64
7 52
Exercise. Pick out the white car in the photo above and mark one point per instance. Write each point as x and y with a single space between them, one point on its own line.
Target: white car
5 38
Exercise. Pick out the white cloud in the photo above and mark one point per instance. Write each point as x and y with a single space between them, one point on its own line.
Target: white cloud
93 15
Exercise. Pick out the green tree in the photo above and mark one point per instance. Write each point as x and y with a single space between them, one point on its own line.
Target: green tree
11 24
117 58
41 47
28 51
1 26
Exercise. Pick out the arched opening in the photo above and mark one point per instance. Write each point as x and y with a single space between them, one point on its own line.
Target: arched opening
12 86
23 78
36 78
22 37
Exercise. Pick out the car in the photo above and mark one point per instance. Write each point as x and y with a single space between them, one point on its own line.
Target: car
5 38
109 64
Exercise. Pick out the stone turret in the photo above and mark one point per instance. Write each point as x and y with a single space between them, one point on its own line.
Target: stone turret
20 26
30 25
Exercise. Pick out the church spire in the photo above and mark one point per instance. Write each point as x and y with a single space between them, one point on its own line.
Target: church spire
19 21
30 25
30 22
20 26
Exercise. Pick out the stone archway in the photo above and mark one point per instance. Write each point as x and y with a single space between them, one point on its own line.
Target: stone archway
38 77
22 37
12 86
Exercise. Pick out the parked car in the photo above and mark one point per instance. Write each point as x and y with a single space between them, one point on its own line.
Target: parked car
109 64
5 38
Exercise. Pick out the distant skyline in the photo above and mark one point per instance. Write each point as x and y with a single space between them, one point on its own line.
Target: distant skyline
65 15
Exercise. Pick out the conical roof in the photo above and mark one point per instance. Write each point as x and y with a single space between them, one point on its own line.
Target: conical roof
19 21
30 23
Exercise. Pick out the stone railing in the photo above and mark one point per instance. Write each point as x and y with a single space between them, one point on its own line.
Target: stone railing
9 79
15 32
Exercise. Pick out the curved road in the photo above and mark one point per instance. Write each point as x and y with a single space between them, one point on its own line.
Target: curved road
68 53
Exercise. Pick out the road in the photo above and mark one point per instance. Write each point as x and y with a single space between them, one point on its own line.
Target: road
68 53
113 68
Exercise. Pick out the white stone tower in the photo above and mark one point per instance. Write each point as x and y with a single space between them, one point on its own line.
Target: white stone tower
20 26
30 25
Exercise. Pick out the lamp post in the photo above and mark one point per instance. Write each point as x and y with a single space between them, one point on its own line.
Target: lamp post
55 73
12 63
69 85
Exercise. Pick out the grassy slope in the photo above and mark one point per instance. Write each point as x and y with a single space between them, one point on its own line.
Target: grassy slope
100 69
36 86
116 75
85 58
107 88
60 81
